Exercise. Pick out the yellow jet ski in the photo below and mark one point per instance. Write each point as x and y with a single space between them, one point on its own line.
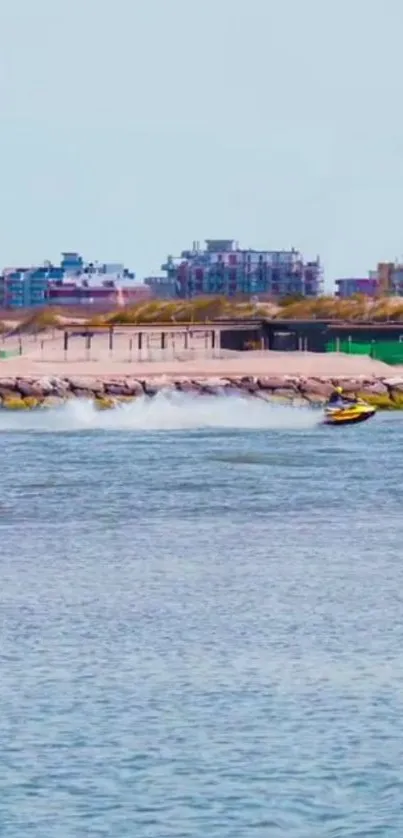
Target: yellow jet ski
348 413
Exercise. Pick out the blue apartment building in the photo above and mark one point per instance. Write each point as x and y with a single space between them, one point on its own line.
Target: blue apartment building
32 287
27 287
222 267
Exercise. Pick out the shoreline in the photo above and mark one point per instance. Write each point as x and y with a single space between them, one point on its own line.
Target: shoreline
43 379
22 392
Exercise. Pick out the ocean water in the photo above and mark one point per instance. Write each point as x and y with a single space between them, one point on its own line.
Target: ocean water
201 623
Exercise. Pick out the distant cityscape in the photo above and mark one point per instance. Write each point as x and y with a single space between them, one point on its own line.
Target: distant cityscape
73 282
220 267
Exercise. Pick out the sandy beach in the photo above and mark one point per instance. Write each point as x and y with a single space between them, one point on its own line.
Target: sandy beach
41 370
45 355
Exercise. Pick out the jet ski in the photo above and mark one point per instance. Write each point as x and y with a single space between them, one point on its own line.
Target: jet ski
348 413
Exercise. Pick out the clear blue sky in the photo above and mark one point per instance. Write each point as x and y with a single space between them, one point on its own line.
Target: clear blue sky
130 128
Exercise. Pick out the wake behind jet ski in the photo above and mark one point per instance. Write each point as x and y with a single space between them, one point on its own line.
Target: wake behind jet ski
346 410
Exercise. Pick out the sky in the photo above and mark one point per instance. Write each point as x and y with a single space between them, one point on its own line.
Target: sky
129 129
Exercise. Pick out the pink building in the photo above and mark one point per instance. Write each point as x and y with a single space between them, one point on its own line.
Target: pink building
107 295
354 285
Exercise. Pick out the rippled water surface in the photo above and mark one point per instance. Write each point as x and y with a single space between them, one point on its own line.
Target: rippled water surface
201 623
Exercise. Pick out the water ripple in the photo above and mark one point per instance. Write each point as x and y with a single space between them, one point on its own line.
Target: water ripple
201 629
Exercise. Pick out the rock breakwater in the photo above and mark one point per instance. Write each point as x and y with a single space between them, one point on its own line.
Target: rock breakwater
106 392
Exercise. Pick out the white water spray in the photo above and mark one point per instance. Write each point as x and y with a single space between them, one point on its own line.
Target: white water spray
165 411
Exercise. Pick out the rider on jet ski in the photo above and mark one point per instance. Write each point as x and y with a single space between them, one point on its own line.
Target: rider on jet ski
338 397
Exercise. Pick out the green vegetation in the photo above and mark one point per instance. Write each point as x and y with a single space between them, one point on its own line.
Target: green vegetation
39 321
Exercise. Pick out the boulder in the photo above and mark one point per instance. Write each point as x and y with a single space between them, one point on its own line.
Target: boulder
349 385
45 386
8 385
271 382
247 383
104 402
84 394
9 394
377 387
186 386
59 387
381 400
14 402
123 387
396 397
395 383
91 385
315 387
52 401
285 394
134 387
115 388
31 388
153 386
214 386
31 402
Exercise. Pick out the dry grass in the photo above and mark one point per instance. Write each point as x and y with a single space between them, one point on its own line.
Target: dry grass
199 310
39 321
208 309
355 309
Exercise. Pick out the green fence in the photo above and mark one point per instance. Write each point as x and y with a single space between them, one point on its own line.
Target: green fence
11 353
388 351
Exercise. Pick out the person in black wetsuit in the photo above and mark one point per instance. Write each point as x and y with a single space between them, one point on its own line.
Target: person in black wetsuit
338 397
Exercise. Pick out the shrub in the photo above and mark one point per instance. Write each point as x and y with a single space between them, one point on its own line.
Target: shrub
39 321
209 308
